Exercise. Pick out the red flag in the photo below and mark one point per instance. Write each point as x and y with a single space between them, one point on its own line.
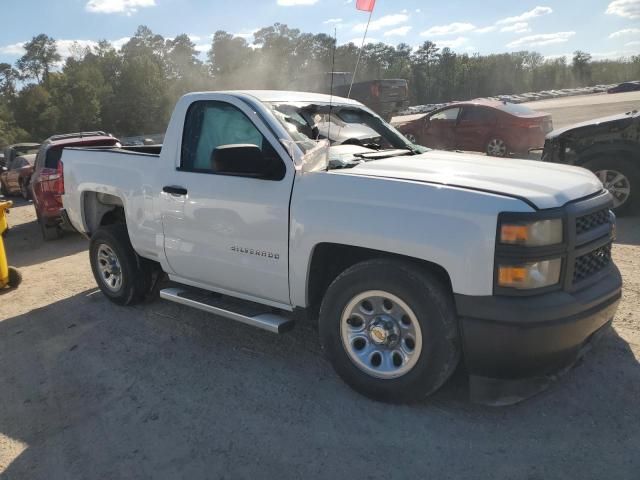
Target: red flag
366 5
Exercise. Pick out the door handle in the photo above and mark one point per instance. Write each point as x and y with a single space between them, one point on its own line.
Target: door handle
174 190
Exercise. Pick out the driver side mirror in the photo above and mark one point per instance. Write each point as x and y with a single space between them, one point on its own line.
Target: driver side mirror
242 160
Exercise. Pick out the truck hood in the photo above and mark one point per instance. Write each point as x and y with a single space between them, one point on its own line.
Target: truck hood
545 185
619 121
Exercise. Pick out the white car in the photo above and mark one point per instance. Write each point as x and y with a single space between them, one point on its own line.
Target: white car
410 259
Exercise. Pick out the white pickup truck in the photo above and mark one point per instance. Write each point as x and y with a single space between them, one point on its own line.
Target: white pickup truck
262 205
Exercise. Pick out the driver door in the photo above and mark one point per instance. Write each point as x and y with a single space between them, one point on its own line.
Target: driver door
227 231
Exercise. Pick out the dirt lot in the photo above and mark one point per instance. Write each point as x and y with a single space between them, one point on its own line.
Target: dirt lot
90 390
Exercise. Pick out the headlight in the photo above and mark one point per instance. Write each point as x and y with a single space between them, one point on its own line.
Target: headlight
535 234
530 275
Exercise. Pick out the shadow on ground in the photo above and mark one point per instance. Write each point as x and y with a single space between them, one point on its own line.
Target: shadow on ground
26 247
161 391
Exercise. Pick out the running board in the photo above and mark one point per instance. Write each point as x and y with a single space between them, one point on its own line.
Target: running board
244 312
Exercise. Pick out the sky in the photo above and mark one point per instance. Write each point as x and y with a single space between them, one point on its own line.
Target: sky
604 28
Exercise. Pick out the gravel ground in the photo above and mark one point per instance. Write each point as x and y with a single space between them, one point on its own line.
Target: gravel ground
89 390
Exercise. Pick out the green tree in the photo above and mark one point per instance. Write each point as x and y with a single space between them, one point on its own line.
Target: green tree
581 67
41 54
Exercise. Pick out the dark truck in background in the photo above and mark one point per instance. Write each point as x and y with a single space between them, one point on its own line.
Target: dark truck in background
385 97
610 148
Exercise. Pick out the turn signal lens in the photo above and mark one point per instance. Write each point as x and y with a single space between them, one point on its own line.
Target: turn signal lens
536 234
530 275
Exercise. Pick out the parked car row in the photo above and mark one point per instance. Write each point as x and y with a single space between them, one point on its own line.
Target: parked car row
16 168
35 171
534 96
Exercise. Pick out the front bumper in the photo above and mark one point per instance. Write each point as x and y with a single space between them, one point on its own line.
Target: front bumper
514 347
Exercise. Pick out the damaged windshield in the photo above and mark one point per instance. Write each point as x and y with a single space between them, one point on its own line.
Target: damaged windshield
355 135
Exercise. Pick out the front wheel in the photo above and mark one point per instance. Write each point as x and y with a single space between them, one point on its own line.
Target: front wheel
389 329
621 179
496 147
121 274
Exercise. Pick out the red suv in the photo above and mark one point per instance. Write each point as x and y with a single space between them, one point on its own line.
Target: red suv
47 184
494 127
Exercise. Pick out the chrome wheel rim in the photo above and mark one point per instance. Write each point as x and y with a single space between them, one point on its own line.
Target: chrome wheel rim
497 148
109 267
381 334
617 184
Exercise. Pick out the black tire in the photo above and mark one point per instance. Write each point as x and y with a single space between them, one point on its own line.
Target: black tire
629 170
15 278
3 190
136 274
432 304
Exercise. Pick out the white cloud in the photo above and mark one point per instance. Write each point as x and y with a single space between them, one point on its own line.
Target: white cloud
418 10
453 43
65 47
520 27
541 39
118 6
398 32
625 32
16 49
383 22
536 12
332 20
295 3
625 8
488 29
635 43
450 29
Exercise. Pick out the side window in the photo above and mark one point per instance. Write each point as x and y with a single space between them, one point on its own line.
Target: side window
476 114
210 125
53 158
449 114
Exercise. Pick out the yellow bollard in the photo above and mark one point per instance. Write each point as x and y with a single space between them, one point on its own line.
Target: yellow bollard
9 276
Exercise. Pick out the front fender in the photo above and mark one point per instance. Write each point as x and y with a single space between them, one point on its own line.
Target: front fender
451 227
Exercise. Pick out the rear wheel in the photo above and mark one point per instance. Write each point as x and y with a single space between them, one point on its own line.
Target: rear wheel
389 329
622 179
496 147
121 274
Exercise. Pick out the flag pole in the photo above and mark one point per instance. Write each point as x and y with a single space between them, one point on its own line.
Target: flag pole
355 71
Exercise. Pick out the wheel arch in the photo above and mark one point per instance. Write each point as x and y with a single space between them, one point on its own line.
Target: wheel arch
625 149
328 260
99 209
